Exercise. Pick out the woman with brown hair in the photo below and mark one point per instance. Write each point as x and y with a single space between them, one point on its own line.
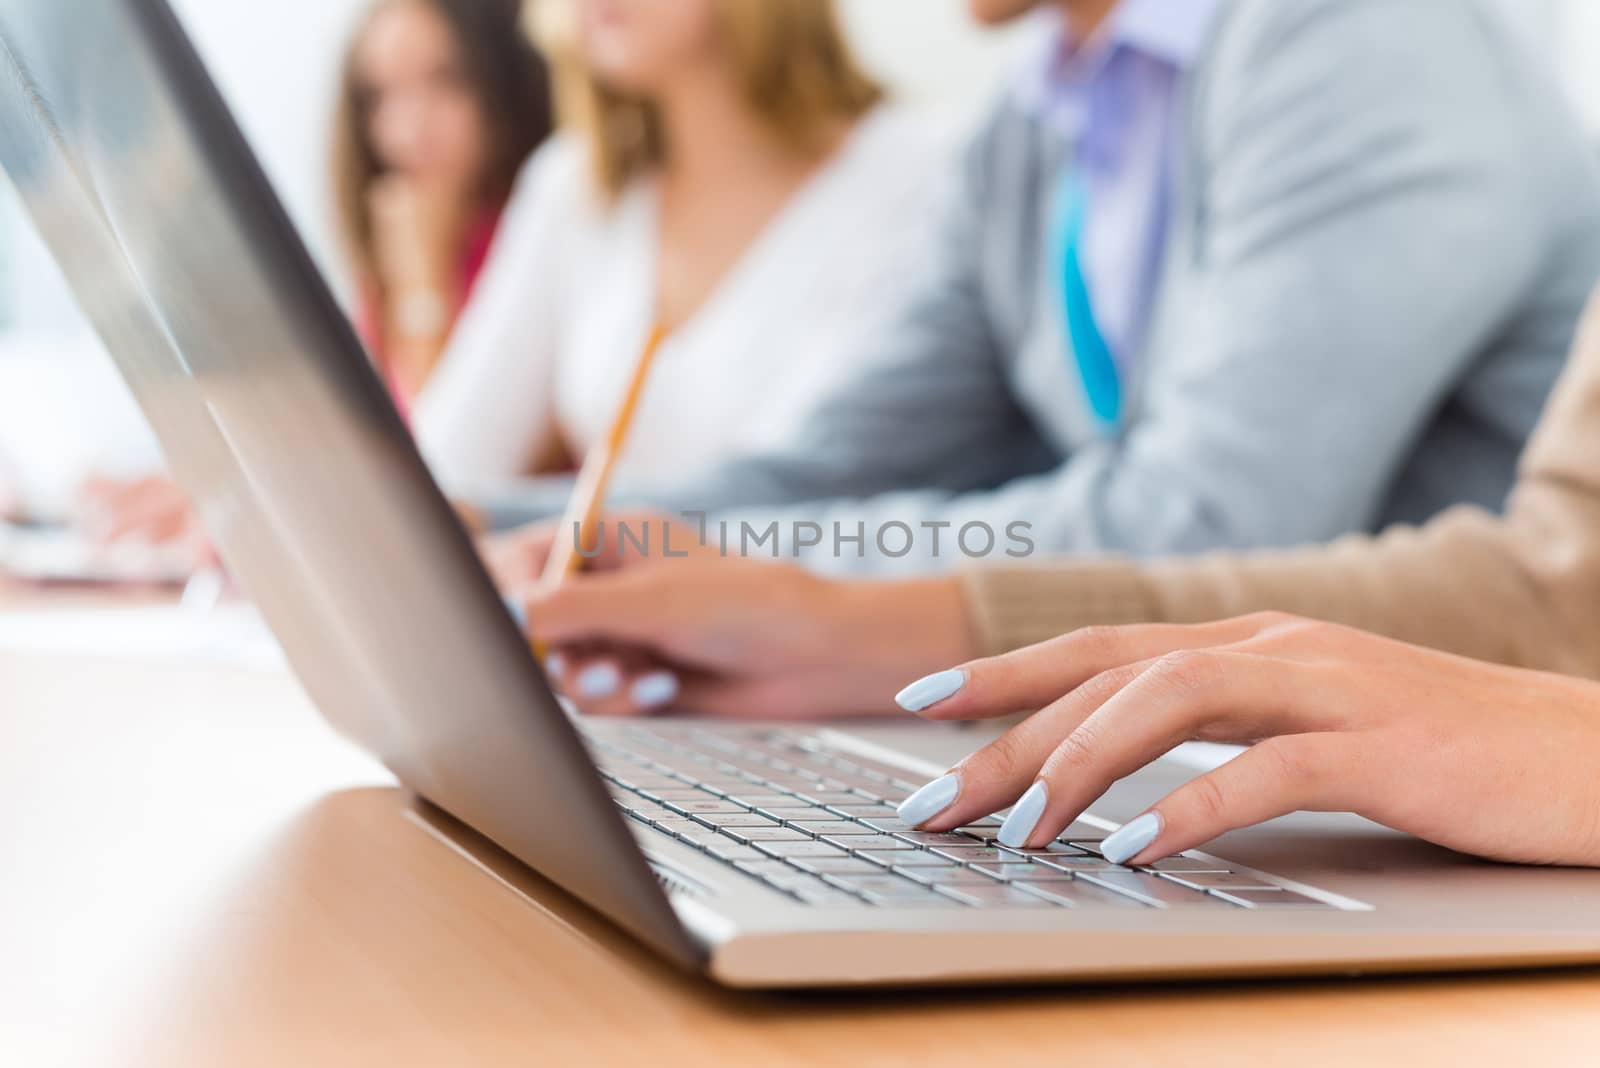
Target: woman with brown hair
733 178
442 102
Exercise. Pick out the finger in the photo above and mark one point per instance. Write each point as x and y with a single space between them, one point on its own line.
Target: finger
1033 677
1220 695
633 608
1053 764
997 774
1292 773
613 682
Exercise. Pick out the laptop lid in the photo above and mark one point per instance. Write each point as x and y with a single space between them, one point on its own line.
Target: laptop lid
272 418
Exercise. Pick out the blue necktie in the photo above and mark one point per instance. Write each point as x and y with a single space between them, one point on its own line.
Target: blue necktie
1096 366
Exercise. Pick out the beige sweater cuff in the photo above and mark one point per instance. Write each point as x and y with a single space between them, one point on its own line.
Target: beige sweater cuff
1018 605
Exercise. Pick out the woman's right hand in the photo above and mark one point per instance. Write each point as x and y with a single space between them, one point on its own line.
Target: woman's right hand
751 638
1489 760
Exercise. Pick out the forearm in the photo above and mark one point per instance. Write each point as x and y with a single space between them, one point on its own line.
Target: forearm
1467 584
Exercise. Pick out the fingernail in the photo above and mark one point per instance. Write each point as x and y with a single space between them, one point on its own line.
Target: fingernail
598 680
930 800
1024 816
555 665
655 689
518 612
930 690
1132 838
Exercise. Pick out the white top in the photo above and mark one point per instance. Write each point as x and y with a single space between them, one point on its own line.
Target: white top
558 318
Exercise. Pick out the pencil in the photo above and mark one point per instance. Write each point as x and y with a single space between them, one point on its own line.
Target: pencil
587 503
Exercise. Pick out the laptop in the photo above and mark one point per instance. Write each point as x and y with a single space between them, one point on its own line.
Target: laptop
760 856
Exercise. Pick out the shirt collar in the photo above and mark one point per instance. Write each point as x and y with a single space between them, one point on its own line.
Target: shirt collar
1171 31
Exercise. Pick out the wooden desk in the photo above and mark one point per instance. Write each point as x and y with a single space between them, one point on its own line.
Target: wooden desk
196 872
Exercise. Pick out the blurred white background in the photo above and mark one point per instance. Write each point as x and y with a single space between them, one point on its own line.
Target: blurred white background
61 408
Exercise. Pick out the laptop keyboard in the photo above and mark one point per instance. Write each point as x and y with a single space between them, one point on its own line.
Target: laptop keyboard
818 824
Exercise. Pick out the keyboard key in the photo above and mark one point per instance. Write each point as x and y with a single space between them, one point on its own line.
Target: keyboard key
1220 880
912 858
734 819
1054 849
835 865
993 895
828 797
838 827
954 874
648 811
906 780
1270 899
983 832
974 854
1076 894
862 812
888 824
766 834
879 885
1009 872
788 814
797 783
932 838
868 789
695 834
1183 863
675 793
800 849
904 858
1151 890
700 807
879 843
1078 831
764 801
1075 862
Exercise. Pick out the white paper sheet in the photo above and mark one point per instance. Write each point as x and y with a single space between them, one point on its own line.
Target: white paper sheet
59 555
231 635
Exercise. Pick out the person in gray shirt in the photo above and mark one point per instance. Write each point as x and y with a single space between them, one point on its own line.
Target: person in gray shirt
1213 274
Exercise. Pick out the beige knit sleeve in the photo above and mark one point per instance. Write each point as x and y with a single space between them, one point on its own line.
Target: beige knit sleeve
1521 590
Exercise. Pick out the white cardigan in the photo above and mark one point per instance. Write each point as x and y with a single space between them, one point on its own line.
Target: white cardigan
558 318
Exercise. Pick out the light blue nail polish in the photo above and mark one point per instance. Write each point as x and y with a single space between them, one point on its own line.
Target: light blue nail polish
555 665
1024 816
1132 838
655 689
597 681
930 800
930 690
518 612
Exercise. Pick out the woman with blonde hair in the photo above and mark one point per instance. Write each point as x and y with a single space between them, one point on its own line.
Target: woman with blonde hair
731 177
